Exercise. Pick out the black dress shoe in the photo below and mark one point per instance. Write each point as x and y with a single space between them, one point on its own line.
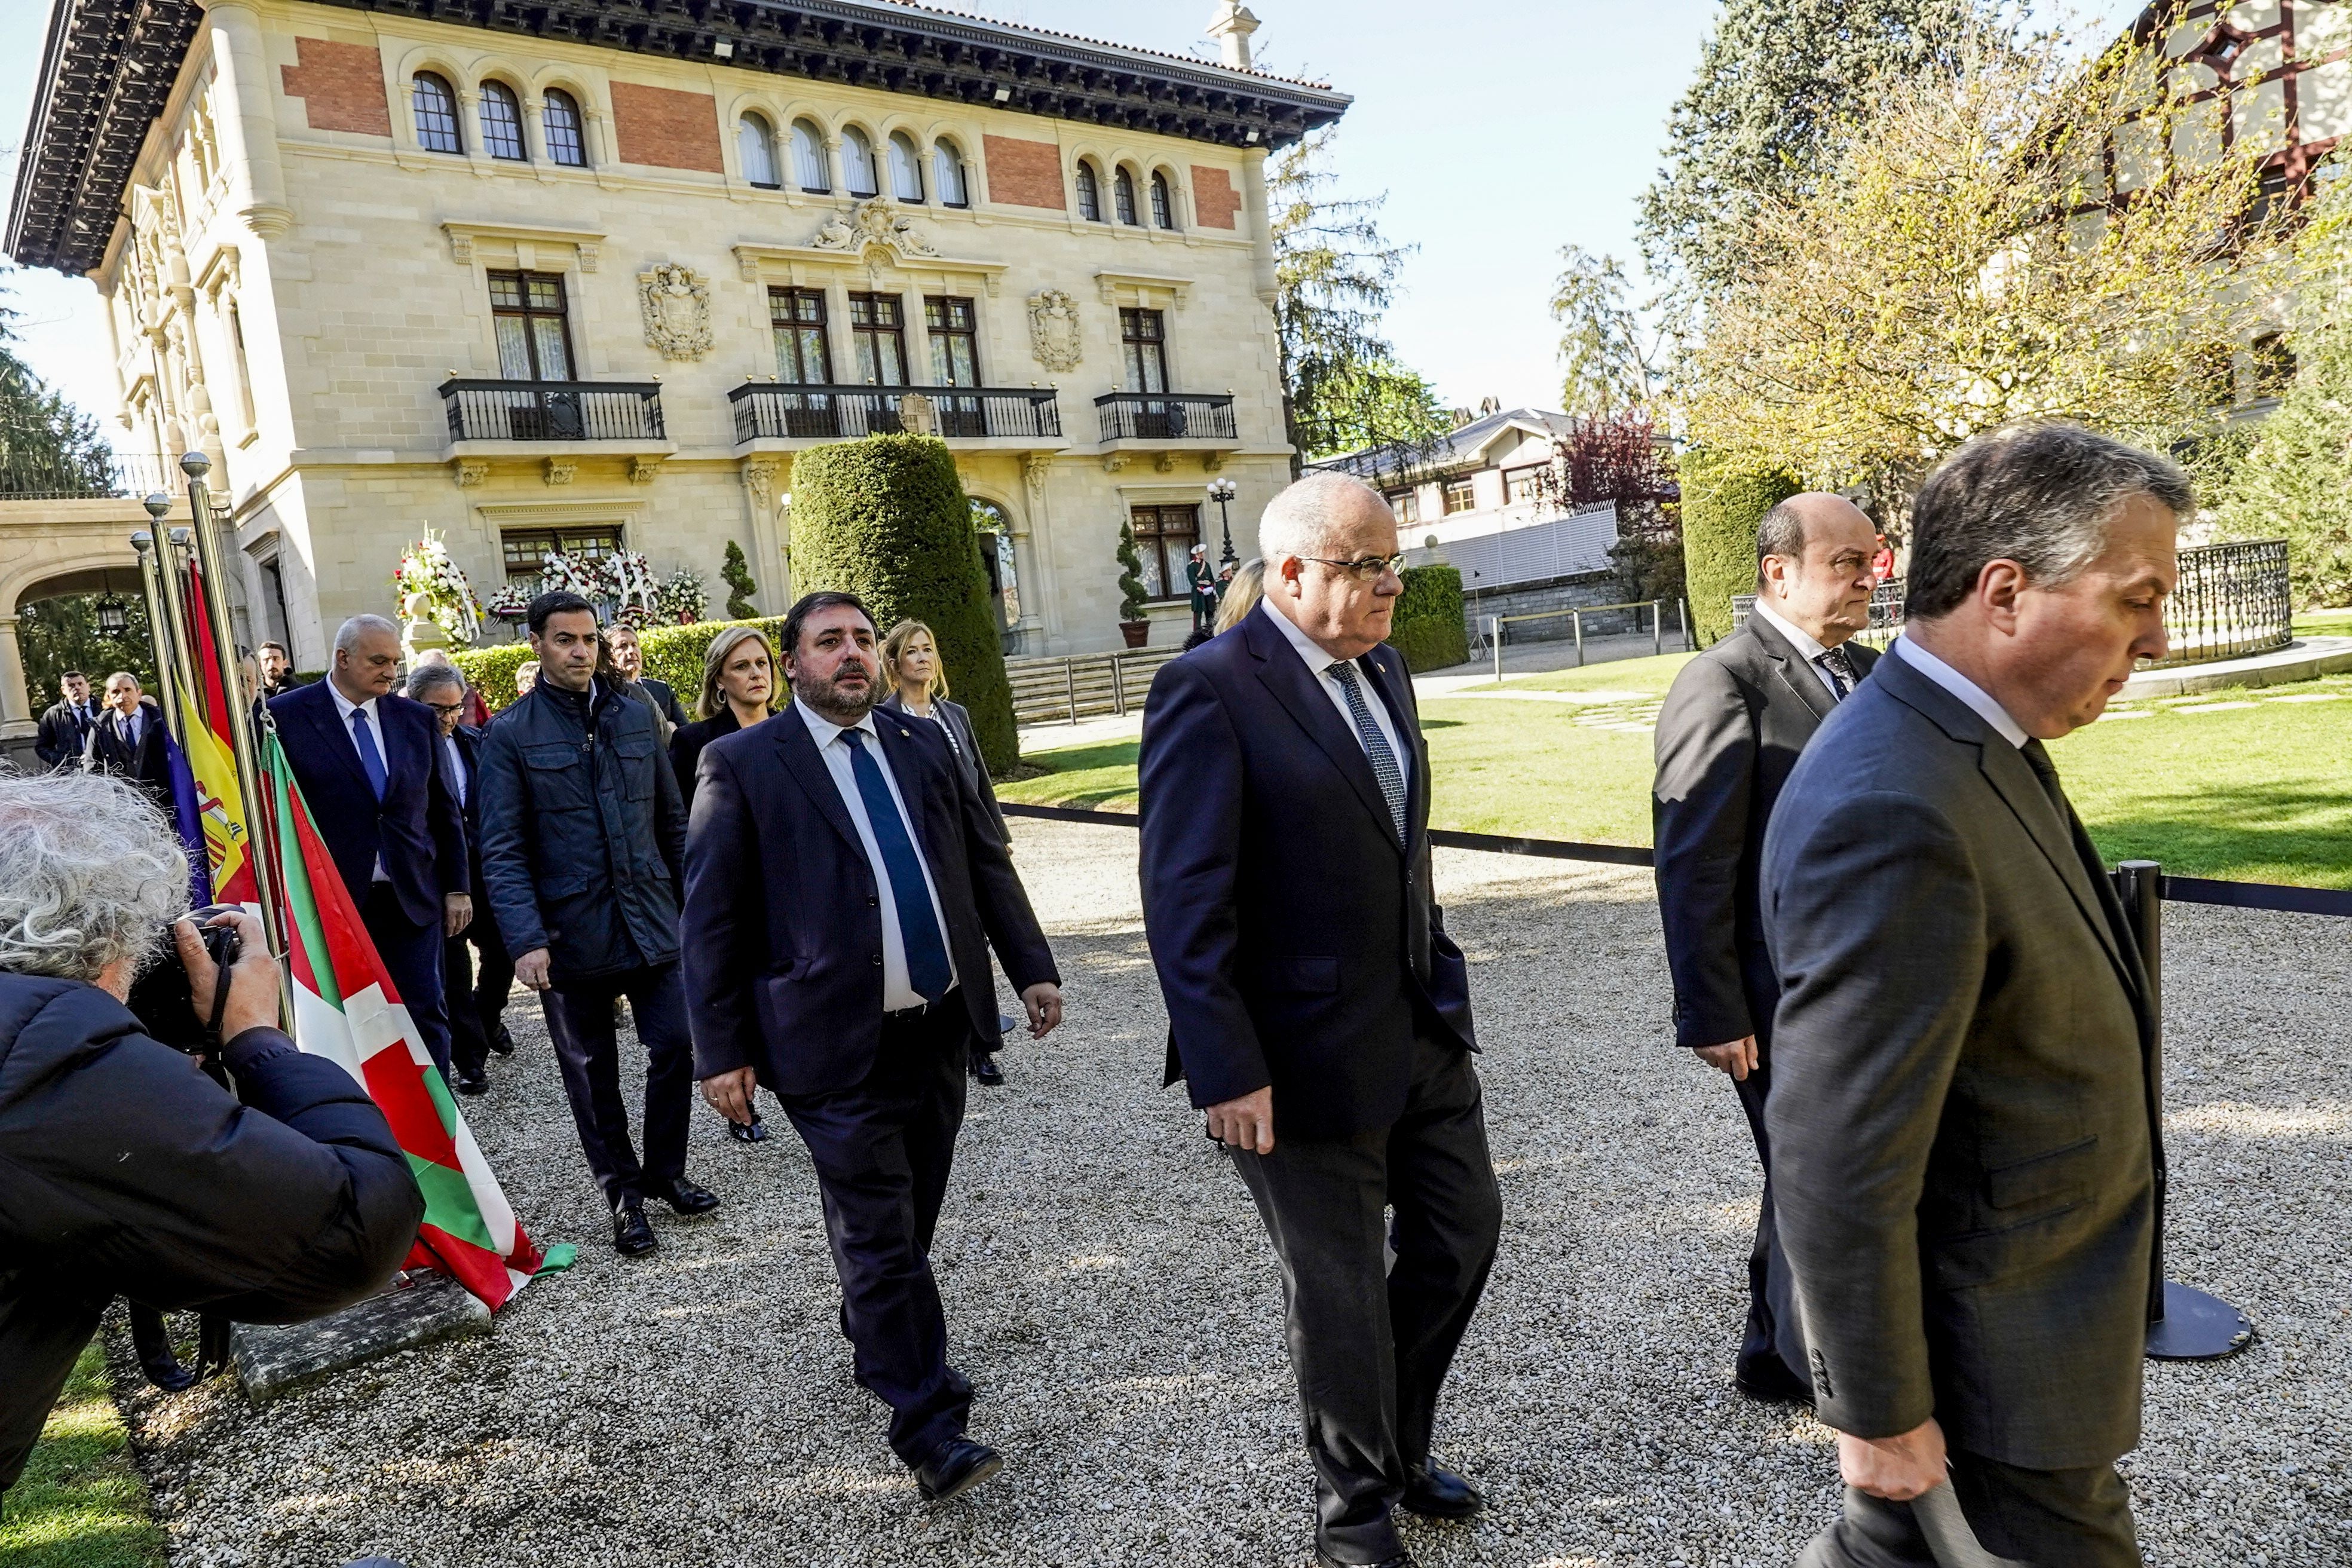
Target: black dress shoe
1325 1560
1766 1379
502 1042
752 1132
955 1467
984 1069
157 1359
1434 1492
684 1197
470 1083
631 1234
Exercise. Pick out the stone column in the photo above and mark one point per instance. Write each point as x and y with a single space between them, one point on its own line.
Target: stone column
1261 225
246 119
533 110
17 719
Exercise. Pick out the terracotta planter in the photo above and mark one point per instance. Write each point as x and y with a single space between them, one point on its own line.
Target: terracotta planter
1135 632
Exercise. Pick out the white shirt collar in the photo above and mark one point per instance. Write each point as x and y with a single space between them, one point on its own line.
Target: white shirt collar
345 707
1980 701
1317 660
1807 647
824 731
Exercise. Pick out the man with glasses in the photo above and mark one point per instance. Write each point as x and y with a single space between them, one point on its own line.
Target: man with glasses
475 1004
1315 1006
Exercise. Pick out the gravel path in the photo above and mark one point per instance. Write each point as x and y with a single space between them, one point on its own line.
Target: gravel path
1110 1292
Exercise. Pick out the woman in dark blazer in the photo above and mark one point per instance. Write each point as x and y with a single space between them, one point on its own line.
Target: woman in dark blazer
919 686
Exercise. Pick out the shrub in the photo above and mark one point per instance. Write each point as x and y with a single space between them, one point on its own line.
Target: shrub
886 518
1130 575
1427 628
737 574
491 670
1724 499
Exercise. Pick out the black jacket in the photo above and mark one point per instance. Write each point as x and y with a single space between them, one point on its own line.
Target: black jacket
62 736
584 843
416 828
956 721
125 1170
665 701
685 747
147 764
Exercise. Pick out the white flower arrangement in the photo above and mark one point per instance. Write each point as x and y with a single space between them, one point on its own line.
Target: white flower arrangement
425 568
571 573
681 599
629 583
509 603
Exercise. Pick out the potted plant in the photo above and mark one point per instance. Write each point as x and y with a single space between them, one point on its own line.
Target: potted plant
1131 623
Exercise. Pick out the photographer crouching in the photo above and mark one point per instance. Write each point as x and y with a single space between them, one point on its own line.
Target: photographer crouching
124 1169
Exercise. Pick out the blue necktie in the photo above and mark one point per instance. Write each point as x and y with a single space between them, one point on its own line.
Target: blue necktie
363 737
919 929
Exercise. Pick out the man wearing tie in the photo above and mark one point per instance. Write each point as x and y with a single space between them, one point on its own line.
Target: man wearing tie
129 741
372 772
1731 729
66 724
475 1028
1964 1133
1315 1006
845 884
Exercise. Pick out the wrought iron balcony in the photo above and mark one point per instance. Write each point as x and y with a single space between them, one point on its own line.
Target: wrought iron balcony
1165 417
553 410
779 411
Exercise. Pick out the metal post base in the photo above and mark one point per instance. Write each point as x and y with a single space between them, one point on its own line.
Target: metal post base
2197 1326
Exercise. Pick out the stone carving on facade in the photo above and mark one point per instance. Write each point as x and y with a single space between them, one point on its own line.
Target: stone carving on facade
561 470
675 302
916 415
759 483
1035 468
470 472
872 223
1054 336
643 469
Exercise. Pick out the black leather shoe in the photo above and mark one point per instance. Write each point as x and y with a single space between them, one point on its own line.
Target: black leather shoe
955 1467
1325 1560
1766 1379
470 1083
752 1132
984 1069
684 1197
152 1340
1434 1492
502 1042
631 1234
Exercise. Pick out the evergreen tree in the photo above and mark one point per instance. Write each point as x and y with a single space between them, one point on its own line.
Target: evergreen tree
1130 575
737 574
48 447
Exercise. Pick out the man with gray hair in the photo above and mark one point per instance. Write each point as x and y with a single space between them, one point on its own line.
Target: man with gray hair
476 1005
1964 1128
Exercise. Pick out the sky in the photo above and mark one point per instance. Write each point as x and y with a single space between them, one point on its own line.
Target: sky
1498 131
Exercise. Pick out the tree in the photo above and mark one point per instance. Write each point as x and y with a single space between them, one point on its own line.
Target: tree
1609 369
1623 460
736 573
1130 575
1724 499
48 447
61 634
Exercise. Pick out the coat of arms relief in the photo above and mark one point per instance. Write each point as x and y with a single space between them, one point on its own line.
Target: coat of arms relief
677 305
1053 336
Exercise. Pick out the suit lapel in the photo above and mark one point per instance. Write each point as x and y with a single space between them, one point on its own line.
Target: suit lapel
1794 676
327 720
808 770
899 756
1284 674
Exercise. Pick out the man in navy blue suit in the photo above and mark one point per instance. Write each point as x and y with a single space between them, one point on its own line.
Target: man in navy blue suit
843 884
371 768
1315 1006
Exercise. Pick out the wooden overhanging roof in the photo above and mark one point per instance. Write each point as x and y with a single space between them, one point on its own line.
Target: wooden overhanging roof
109 65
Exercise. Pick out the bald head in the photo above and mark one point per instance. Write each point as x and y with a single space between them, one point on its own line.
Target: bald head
1305 520
1812 565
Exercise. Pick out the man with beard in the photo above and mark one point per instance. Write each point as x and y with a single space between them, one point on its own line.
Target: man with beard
843 884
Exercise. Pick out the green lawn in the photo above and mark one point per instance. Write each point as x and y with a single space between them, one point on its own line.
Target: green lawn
79 1504
2248 786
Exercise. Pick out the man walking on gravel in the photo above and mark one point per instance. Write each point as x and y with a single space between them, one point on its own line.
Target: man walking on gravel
1316 1005
1964 1130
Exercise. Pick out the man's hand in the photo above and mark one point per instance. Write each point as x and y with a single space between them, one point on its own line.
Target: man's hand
532 969
1737 1058
253 980
1246 1122
1043 1001
730 1094
457 914
1897 1469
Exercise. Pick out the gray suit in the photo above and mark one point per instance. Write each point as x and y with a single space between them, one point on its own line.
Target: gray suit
1730 731
1964 1128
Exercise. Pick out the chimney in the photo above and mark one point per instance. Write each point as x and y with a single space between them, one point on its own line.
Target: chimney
1231 27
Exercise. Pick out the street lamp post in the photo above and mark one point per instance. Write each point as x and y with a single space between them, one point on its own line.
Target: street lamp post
1222 493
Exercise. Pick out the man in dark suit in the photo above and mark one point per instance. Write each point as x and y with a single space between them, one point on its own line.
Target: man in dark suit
1733 724
629 659
129 742
1314 1002
1964 1132
476 1027
845 884
369 764
66 724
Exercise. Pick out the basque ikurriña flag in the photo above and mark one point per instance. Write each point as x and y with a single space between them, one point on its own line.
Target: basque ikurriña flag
346 1008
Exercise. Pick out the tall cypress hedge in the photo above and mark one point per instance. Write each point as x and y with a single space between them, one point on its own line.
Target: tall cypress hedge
886 518
1426 625
1724 498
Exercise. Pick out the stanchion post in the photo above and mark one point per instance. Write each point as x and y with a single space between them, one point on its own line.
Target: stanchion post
158 633
1657 626
169 545
1682 619
1576 619
1494 642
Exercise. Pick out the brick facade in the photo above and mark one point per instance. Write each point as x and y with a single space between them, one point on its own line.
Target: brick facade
1024 173
670 130
1214 200
341 86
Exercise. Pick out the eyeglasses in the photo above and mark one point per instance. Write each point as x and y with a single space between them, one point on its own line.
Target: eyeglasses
446 708
1364 569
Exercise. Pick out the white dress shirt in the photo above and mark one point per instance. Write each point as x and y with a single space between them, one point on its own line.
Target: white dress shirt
1980 701
1319 665
898 992
345 708
127 725
1807 647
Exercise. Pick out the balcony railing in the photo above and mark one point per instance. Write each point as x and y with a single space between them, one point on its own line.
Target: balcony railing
1165 417
775 411
553 410
2233 600
46 475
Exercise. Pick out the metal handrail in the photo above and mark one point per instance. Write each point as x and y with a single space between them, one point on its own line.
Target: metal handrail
482 409
1166 416
1495 625
789 411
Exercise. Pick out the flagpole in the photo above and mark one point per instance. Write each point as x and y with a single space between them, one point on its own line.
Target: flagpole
159 633
168 543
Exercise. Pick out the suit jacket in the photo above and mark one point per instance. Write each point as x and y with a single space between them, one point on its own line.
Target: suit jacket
416 828
686 745
1298 943
62 739
148 764
665 701
956 720
1963 1119
1730 731
469 756
783 921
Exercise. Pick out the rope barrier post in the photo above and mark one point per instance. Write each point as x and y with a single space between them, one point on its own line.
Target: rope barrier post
1119 684
1576 619
1681 622
1494 640
1657 628
2184 1323
1070 686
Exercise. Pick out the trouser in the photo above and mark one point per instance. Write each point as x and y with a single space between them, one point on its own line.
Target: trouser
1764 1351
882 1151
475 1001
2052 1519
580 1021
1370 1350
411 956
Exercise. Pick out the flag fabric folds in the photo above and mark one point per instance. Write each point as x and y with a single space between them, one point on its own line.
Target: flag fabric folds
212 761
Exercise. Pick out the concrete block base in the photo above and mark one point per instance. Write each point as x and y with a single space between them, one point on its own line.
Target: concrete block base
425 1310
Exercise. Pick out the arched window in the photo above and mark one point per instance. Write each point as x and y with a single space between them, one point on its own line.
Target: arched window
994 524
905 168
435 108
1163 201
501 122
808 160
755 148
947 175
561 121
1122 188
1089 194
857 165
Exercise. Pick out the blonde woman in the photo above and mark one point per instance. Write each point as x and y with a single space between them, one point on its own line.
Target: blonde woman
1240 595
739 690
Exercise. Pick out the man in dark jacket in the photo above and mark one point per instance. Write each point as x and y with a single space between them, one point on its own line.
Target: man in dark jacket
629 659
129 742
123 1169
476 1027
584 843
66 724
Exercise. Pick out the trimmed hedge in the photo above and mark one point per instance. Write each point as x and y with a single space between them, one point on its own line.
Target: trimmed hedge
886 518
1723 500
1427 627
673 654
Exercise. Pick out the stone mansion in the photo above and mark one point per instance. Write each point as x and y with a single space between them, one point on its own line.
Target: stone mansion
583 276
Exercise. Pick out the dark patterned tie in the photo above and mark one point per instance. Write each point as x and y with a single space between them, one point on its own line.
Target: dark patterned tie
1376 745
1834 664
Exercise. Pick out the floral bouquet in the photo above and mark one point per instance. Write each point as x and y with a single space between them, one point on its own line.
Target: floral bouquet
425 568
509 604
573 573
681 598
629 583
